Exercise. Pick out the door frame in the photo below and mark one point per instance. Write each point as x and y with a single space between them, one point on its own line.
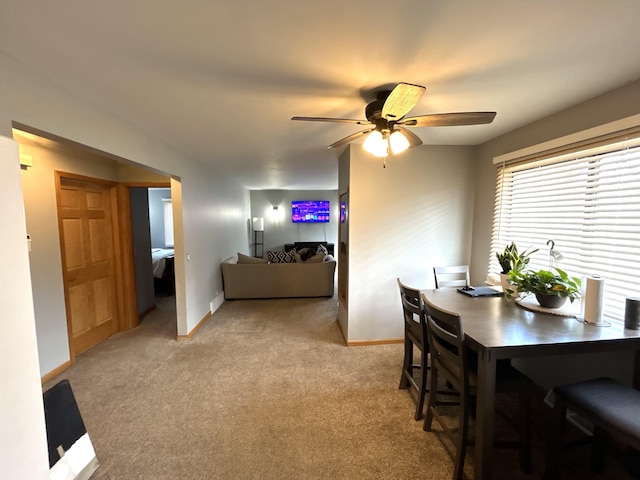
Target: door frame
125 240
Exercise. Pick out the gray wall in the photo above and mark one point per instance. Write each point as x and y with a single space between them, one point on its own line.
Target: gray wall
142 249
278 227
403 220
615 105
212 212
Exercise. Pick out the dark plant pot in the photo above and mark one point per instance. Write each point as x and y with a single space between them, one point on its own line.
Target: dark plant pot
550 301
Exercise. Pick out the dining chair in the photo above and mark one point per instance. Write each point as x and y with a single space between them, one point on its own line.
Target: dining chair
414 335
452 360
452 276
611 407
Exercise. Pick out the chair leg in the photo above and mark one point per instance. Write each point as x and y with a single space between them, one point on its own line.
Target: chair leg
423 384
598 450
461 450
406 364
433 394
552 470
525 414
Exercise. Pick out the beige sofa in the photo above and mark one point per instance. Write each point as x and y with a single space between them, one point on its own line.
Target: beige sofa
277 280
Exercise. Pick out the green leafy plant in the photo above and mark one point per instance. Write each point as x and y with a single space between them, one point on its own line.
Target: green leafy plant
544 282
512 260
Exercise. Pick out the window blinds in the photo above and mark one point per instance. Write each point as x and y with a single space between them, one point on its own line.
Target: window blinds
167 212
588 204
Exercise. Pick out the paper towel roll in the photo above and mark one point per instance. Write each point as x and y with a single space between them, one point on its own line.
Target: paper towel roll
593 299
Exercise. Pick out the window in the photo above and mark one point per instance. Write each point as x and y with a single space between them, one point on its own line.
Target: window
168 222
588 203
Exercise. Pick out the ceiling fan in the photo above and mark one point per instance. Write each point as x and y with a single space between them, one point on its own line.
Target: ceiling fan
386 117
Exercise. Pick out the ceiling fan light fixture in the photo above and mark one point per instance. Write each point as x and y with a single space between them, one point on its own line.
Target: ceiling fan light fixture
376 144
398 142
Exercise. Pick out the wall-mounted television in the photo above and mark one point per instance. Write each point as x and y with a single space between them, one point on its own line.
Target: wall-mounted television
343 211
310 211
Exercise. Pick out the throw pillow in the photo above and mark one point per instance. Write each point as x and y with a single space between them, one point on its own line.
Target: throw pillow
247 259
281 257
317 258
306 253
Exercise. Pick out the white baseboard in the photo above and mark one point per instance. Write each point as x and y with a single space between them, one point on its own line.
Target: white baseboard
217 301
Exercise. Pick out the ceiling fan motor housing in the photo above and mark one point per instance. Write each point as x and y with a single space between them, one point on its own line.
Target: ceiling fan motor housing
373 111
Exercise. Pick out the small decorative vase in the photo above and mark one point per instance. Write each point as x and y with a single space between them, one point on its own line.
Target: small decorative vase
505 282
550 301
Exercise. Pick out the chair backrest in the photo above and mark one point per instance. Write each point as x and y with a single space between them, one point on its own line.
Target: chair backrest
446 344
454 276
412 306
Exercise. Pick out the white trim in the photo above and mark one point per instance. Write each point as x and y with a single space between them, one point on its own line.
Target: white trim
606 129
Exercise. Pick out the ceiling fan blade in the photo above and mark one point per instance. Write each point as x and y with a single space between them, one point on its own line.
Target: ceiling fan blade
350 138
324 119
401 100
449 119
414 140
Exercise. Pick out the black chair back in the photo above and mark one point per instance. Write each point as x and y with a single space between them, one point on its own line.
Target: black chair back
446 343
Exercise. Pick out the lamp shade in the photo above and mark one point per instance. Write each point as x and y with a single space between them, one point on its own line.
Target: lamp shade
376 144
258 224
398 142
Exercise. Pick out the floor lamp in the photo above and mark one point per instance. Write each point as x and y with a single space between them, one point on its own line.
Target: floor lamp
258 228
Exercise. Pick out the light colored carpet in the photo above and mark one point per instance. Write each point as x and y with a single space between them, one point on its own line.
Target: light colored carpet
266 389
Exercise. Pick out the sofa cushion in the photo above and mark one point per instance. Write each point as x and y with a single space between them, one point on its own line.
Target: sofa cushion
281 257
247 259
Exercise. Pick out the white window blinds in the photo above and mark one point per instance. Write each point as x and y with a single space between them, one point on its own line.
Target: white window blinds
589 205
167 212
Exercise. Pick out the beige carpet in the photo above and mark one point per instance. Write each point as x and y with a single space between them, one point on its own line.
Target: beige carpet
265 389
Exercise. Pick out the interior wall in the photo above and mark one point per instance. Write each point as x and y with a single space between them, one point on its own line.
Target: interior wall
39 196
403 220
615 105
278 227
215 207
22 436
344 168
145 295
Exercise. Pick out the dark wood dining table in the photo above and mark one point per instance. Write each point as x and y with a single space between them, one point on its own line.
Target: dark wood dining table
496 328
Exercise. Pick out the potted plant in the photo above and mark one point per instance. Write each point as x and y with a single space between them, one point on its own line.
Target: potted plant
512 260
550 288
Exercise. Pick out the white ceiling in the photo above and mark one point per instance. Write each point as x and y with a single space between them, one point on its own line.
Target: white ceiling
221 79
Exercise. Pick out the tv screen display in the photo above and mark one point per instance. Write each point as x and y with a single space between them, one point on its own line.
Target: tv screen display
343 212
310 211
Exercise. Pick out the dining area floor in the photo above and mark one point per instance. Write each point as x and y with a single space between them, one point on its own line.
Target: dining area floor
267 389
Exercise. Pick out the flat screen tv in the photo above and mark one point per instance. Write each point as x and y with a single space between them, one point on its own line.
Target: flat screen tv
310 211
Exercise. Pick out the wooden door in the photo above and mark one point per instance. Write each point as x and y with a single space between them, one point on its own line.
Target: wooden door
86 234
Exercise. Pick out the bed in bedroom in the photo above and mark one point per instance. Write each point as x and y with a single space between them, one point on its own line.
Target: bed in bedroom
162 260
